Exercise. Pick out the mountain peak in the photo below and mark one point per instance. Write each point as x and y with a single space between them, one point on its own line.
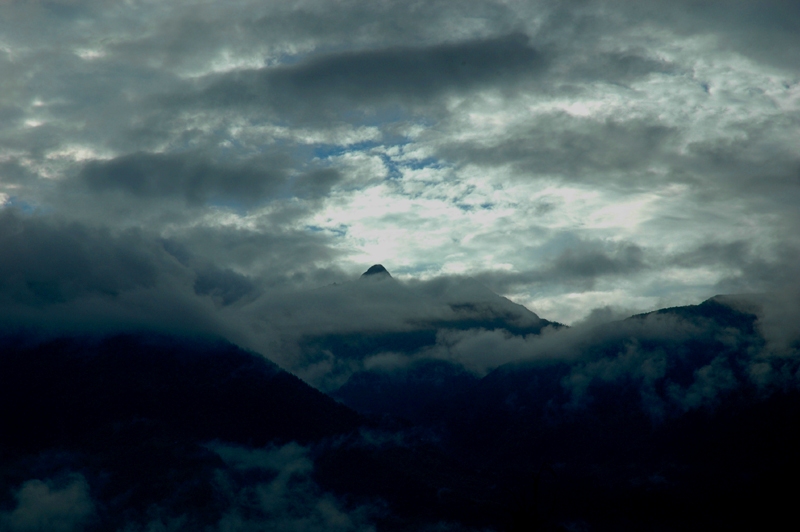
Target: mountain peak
376 271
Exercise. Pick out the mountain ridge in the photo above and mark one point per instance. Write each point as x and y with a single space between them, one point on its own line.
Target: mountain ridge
674 409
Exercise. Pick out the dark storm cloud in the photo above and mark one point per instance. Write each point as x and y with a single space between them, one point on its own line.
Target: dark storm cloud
715 253
43 262
627 258
760 162
222 283
225 285
58 276
188 36
393 21
574 148
197 180
61 276
275 254
314 88
761 143
767 31
751 270
581 265
616 67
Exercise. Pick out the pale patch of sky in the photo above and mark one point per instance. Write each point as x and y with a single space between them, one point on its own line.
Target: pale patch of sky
571 307
90 54
74 152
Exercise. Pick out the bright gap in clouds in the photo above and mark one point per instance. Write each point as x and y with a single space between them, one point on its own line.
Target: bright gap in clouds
466 223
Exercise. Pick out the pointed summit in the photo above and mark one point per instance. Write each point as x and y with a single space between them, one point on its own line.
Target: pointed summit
376 272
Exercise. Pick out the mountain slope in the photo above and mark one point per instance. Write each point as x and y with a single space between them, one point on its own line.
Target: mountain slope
669 420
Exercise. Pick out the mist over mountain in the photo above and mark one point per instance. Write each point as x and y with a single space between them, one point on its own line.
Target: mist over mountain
473 413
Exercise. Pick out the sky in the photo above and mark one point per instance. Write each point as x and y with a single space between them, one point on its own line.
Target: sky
194 163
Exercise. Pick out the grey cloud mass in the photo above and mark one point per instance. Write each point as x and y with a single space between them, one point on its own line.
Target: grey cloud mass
86 261
321 88
574 148
65 277
197 180
581 264
234 166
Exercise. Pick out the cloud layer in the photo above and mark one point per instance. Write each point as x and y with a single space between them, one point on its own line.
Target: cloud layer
200 166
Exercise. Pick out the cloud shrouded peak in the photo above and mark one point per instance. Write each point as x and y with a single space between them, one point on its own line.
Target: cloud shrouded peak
376 271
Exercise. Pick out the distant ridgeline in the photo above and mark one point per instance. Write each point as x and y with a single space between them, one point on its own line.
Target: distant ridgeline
485 311
672 420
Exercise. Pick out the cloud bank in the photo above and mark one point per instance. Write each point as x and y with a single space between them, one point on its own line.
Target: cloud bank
508 142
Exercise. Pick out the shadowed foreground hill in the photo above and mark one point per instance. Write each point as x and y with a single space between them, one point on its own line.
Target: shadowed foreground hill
141 432
123 424
70 387
679 419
